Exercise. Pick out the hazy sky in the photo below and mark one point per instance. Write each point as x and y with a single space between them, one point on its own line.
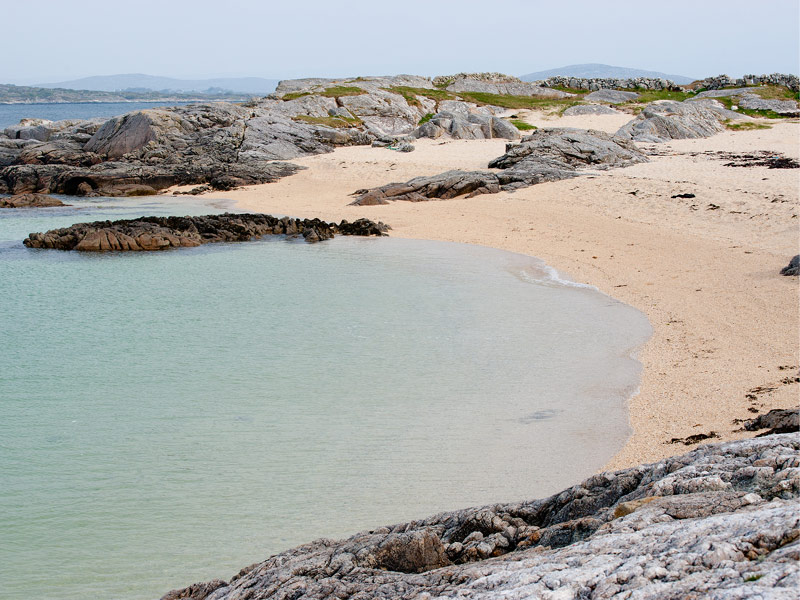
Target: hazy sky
56 40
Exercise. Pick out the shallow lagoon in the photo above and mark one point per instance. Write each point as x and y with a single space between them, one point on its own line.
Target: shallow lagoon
167 418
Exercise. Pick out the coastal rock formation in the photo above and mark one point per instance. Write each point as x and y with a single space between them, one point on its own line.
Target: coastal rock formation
778 420
466 126
721 520
668 120
611 96
160 233
793 268
30 201
546 155
748 100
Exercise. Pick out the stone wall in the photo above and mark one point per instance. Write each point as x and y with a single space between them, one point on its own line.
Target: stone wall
724 81
597 83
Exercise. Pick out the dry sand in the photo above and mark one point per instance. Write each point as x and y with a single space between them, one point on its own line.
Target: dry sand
704 270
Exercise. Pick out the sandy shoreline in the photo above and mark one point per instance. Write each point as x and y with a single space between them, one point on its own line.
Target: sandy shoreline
704 270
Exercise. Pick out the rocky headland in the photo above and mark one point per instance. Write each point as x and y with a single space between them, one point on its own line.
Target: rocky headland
721 521
225 145
161 233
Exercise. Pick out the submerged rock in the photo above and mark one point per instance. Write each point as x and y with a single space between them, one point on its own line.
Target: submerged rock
160 233
30 201
722 520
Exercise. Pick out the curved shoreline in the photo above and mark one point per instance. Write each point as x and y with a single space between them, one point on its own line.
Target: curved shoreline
707 280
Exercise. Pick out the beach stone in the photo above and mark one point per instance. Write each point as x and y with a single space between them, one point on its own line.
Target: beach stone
30 201
697 525
778 420
611 96
793 268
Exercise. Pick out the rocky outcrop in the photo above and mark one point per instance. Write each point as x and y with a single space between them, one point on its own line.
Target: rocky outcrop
779 420
30 201
720 521
668 120
786 108
466 124
160 233
793 268
496 83
611 96
546 155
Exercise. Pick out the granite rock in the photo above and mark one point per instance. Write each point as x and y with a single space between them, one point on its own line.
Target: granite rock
721 521
30 201
663 121
611 96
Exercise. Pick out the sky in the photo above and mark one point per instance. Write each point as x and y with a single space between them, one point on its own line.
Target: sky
57 40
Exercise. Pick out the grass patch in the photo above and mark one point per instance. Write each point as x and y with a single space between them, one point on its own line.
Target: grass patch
575 91
745 126
754 577
437 95
522 125
335 122
504 101
647 96
338 91
294 95
425 119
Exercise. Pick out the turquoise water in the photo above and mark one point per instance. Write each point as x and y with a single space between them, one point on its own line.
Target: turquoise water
171 417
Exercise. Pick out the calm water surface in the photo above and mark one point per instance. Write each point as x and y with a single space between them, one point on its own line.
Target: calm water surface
11 114
171 417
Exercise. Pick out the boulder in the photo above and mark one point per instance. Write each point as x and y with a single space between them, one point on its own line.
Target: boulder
786 108
793 268
611 96
779 420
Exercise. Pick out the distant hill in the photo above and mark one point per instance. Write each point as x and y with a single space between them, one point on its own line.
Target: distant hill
16 94
593 70
140 82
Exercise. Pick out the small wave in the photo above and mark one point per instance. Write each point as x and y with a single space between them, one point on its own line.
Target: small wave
547 275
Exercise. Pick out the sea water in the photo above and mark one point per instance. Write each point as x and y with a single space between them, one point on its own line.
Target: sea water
171 417
11 114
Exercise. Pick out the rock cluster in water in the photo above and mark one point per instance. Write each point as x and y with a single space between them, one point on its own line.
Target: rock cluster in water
160 233
30 201
545 155
720 521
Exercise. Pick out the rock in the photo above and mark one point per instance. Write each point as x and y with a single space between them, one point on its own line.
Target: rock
160 233
546 155
611 96
589 109
30 201
787 108
697 525
663 121
464 124
793 268
775 421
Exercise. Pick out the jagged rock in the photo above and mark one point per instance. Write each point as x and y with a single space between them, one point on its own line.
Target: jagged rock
663 121
611 96
721 521
778 420
793 268
30 201
546 155
466 126
589 109
160 233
